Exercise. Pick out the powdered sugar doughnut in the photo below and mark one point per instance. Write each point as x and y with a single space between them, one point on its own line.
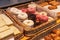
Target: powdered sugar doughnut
15 10
22 16
29 23
43 13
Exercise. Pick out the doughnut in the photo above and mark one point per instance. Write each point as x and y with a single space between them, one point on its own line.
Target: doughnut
44 4
52 7
43 13
32 5
32 17
29 23
50 18
15 10
22 16
54 3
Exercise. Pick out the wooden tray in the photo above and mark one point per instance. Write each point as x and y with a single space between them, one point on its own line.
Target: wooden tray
32 30
15 24
45 32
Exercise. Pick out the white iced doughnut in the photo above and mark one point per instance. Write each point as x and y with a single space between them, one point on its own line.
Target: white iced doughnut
43 13
50 18
15 10
32 5
29 23
22 16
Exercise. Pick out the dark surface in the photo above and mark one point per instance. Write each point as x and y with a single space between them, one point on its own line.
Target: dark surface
6 3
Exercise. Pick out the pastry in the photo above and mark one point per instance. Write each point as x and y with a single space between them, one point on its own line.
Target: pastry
32 17
4 28
32 5
54 3
15 30
22 16
57 31
6 33
24 10
44 4
42 18
31 10
29 23
48 37
55 35
43 13
52 7
2 22
6 19
57 38
15 10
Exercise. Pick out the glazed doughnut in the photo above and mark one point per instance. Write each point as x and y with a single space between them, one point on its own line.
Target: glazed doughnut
15 10
44 4
32 5
29 23
50 18
22 16
52 7
54 3
43 13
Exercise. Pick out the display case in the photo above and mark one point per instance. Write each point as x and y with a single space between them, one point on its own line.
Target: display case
28 30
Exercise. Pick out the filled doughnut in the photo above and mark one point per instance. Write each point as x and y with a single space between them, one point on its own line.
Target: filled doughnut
52 7
43 13
22 16
15 10
29 23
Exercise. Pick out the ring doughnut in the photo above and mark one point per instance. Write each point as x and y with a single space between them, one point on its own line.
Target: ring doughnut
29 23
15 10
22 16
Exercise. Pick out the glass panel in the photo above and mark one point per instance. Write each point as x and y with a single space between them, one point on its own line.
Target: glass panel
4 3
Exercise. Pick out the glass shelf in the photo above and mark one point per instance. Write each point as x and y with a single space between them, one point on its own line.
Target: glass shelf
6 3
